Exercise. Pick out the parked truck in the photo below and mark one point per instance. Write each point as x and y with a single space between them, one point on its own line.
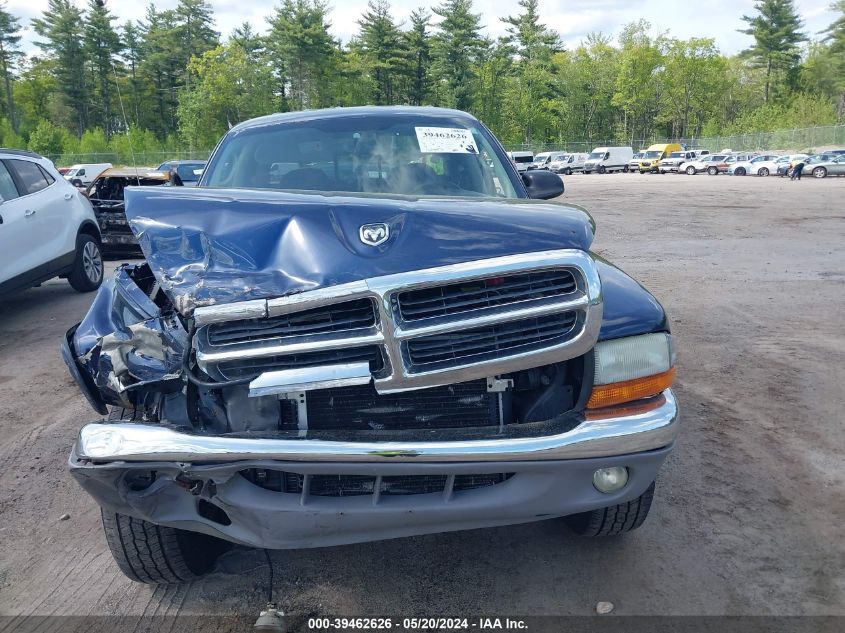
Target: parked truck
402 335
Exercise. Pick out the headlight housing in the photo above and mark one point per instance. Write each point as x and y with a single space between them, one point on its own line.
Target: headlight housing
631 368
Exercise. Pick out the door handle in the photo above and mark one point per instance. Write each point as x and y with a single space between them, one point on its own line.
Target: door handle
28 213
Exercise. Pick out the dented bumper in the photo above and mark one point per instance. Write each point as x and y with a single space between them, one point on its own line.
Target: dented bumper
616 432
203 483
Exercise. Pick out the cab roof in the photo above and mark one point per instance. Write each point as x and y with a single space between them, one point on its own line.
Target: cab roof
357 111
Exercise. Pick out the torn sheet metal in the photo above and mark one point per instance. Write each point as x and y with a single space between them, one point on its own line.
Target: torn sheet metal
213 246
124 342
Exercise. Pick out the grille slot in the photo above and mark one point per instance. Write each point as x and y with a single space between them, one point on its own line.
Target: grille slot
490 292
362 408
247 367
361 485
338 317
490 341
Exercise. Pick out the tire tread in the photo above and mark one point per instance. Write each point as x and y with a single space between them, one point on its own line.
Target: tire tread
145 552
614 520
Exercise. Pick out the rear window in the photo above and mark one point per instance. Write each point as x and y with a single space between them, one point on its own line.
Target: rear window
30 175
186 171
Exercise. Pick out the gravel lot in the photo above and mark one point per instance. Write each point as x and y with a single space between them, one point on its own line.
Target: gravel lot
749 516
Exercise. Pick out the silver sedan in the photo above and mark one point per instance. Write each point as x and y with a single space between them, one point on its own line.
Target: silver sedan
832 167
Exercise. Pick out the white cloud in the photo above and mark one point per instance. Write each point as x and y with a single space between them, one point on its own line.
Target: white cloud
574 19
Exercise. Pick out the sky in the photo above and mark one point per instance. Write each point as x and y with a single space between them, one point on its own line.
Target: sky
573 19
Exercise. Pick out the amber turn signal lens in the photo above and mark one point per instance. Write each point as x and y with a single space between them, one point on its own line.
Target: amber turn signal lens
619 392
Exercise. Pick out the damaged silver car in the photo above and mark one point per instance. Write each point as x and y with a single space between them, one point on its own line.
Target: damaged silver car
364 324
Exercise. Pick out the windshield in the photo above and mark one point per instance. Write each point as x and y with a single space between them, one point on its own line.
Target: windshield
186 171
654 153
559 158
71 172
523 159
373 154
596 155
541 158
676 155
637 155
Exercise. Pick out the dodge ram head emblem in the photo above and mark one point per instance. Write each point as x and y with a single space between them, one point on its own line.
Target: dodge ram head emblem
374 234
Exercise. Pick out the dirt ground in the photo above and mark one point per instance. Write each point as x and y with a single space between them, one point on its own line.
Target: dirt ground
749 515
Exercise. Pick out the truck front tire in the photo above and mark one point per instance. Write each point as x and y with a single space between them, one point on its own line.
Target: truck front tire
156 554
613 520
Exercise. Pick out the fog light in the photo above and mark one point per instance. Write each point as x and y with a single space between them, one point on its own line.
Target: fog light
610 479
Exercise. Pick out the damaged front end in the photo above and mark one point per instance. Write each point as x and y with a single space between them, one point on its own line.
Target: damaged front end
327 392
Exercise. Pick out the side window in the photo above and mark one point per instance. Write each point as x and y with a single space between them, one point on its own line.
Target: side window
30 176
50 179
7 185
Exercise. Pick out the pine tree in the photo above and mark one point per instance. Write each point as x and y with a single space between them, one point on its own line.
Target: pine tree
102 44
132 56
379 44
245 37
533 41
457 47
61 27
534 44
776 30
302 52
835 37
194 29
9 55
416 42
161 63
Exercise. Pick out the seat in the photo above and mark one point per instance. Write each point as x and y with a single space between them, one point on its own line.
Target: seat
307 178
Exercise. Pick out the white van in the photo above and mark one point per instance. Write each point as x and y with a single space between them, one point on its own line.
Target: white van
563 163
541 161
607 159
84 175
521 159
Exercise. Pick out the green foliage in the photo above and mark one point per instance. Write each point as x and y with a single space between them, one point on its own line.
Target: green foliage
457 48
379 43
136 92
229 88
48 138
302 53
776 30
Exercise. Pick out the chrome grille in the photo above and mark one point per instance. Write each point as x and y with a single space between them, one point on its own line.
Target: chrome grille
339 317
245 368
454 348
430 327
489 292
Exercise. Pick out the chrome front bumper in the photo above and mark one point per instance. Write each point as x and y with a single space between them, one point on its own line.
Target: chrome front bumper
603 433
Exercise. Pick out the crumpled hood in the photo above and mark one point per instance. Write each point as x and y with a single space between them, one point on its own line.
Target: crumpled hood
212 246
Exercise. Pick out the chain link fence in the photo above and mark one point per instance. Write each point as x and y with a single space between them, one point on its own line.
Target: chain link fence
796 139
140 159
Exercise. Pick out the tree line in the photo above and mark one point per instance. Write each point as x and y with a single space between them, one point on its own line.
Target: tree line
169 81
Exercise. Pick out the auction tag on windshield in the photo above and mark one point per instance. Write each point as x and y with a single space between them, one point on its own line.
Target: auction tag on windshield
445 140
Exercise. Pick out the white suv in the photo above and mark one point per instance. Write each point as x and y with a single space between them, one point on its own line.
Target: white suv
47 227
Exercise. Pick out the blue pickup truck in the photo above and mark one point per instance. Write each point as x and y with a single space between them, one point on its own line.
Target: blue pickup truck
364 324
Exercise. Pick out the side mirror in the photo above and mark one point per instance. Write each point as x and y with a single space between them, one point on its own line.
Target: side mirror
175 179
541 184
